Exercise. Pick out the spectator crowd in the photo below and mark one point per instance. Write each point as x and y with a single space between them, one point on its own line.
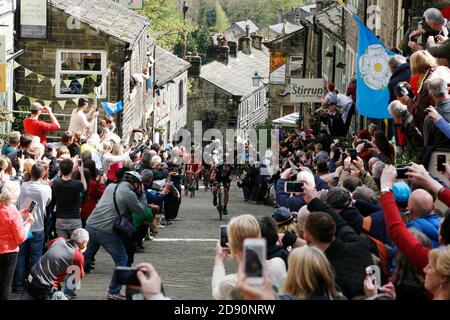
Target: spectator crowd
367 199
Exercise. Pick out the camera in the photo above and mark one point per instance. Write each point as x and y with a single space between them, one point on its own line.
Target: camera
126 276
138 149
353 154
402 169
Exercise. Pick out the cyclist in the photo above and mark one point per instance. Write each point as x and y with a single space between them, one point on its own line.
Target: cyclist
223 174
193 169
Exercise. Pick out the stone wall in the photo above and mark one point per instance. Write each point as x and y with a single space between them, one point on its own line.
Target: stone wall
40 56
167 109
208 101
292 46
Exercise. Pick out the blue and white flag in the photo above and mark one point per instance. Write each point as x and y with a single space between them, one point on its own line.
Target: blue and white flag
111 108
373 74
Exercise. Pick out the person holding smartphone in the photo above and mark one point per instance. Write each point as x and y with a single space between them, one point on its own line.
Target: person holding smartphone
239 229
40 194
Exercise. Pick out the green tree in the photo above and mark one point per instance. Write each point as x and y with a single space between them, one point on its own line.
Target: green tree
222 22
167 25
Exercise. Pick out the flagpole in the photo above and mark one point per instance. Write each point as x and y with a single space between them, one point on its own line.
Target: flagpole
341 2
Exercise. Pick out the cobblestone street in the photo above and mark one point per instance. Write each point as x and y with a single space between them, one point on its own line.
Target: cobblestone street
183 253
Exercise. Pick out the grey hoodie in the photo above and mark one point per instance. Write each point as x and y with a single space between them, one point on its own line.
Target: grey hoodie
105 214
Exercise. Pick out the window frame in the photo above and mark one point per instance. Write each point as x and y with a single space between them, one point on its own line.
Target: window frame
290 66
59 72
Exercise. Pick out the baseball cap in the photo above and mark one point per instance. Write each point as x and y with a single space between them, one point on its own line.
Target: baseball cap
282 216
35 106
401 191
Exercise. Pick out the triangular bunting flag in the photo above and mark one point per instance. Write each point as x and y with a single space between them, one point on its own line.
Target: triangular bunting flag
92 96
75 101
61 104
32 100
53 81
18 96
67 82
16 65
81 81
91 65
27 72
94 77
40 78
48 102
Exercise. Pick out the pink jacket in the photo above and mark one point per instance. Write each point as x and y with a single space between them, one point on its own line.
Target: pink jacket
12 232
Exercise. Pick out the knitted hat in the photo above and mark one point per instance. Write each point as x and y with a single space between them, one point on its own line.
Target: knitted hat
401 192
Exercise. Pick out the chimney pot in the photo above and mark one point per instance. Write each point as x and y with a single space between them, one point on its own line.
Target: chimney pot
247 30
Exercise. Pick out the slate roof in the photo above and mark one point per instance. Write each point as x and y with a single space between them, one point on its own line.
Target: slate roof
285 28
168 65
331 19
242 24
106 16
236 77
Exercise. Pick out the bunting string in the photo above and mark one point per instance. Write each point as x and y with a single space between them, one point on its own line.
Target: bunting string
41 77
61 103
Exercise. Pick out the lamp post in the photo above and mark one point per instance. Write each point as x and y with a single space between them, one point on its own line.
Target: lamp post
257 79
185 10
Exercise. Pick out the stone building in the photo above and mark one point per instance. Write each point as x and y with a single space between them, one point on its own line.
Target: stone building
91 44
170 103
287 55
222 95
7 56
237 29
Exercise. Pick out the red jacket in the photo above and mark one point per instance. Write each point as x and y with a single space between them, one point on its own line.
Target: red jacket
38 128
416 252
94 194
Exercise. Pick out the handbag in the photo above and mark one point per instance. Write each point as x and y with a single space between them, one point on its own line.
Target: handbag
123 226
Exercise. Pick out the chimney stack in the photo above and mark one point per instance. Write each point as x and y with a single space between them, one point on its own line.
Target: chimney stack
280 16
233 49
257 41
196 64
245 43
218 51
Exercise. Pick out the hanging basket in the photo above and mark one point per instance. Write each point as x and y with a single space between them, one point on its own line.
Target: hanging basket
6 116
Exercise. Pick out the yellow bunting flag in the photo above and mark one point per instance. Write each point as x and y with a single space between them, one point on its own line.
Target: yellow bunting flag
18 96
27 72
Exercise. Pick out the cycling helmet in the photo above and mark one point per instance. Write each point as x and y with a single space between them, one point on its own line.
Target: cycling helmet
132 177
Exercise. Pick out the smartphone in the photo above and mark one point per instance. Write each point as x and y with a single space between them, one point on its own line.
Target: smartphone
32 206
353 154
223 236
402 169
293 187
254 260
441 160
126 276
80 163
374 272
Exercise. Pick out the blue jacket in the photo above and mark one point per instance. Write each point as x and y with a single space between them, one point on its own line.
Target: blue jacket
444 126
154 197
294 203
428 225
284 199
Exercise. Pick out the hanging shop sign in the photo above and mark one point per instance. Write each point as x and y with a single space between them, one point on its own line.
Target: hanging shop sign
33 19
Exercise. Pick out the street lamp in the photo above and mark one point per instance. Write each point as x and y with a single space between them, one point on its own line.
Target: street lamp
257 79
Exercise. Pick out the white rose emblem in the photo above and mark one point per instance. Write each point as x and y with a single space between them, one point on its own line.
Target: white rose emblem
374 68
